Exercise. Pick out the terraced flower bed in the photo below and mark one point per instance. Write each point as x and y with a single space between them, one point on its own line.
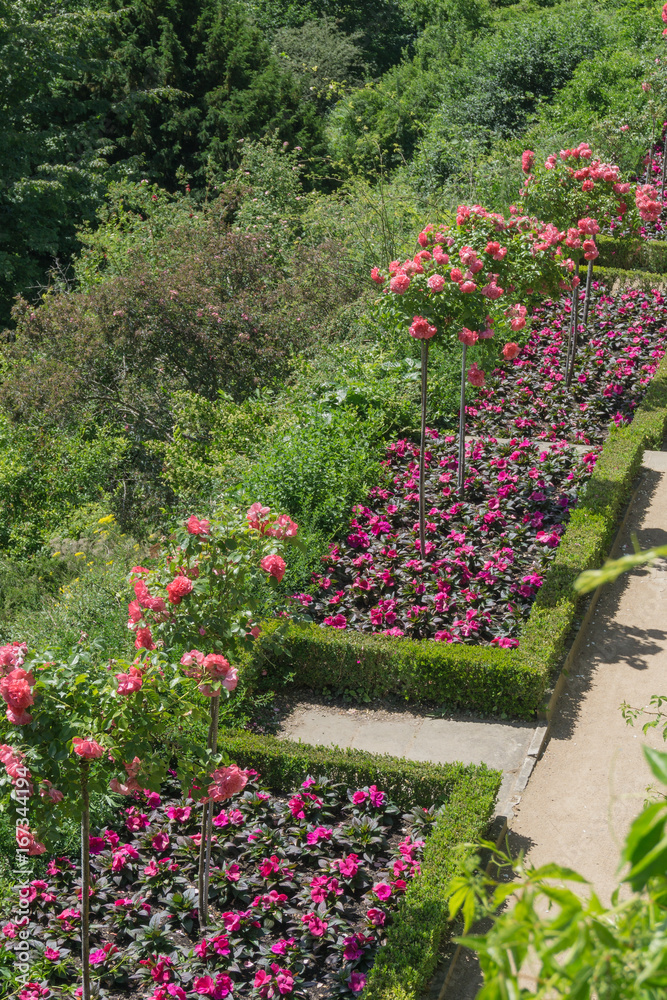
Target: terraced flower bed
616 359
303 891
485 557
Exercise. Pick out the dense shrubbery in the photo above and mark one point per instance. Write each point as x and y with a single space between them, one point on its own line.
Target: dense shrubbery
99 92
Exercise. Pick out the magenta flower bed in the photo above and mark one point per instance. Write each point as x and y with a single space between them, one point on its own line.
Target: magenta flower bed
302 891
485 558
616 361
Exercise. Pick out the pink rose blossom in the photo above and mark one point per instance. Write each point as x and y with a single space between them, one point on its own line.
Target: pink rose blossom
88 749
179 588
128 683
28 843
468 337
144 639
196 527
274 566
134 612
399 283
588 226
527 160
47 791
511 351
436 282
227 781
421 329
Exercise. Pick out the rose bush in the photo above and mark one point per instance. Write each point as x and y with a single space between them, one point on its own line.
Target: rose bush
455 284
205 589
572 185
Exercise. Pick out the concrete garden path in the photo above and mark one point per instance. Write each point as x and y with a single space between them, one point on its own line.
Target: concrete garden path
591 780
501 745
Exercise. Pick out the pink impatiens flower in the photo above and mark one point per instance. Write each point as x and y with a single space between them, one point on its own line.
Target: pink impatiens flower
382 890
475 375
376 917
376 796
356 982
336 621
180 814
316 926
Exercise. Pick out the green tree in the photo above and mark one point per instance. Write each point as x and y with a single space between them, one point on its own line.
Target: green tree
51 147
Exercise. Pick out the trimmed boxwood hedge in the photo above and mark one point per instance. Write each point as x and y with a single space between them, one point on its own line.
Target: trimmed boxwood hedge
405 965
632 255
491 681
645 280
283 763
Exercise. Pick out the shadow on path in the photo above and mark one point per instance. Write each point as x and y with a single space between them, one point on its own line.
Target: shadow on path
465 980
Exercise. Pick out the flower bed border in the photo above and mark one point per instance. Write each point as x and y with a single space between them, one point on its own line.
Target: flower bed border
481 678
632 254
406 964
645 280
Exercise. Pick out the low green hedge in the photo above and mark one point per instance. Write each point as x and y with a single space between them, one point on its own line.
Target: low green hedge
491 681
404 967
283 763
645 280
632 255
591 530
366 666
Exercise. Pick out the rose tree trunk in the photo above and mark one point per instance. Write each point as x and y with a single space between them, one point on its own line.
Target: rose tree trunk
207 825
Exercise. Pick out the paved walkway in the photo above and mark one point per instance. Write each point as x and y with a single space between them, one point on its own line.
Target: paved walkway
502 745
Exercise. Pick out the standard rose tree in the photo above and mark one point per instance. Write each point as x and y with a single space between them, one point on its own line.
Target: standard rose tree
468 281
202 596
578 193
85 719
